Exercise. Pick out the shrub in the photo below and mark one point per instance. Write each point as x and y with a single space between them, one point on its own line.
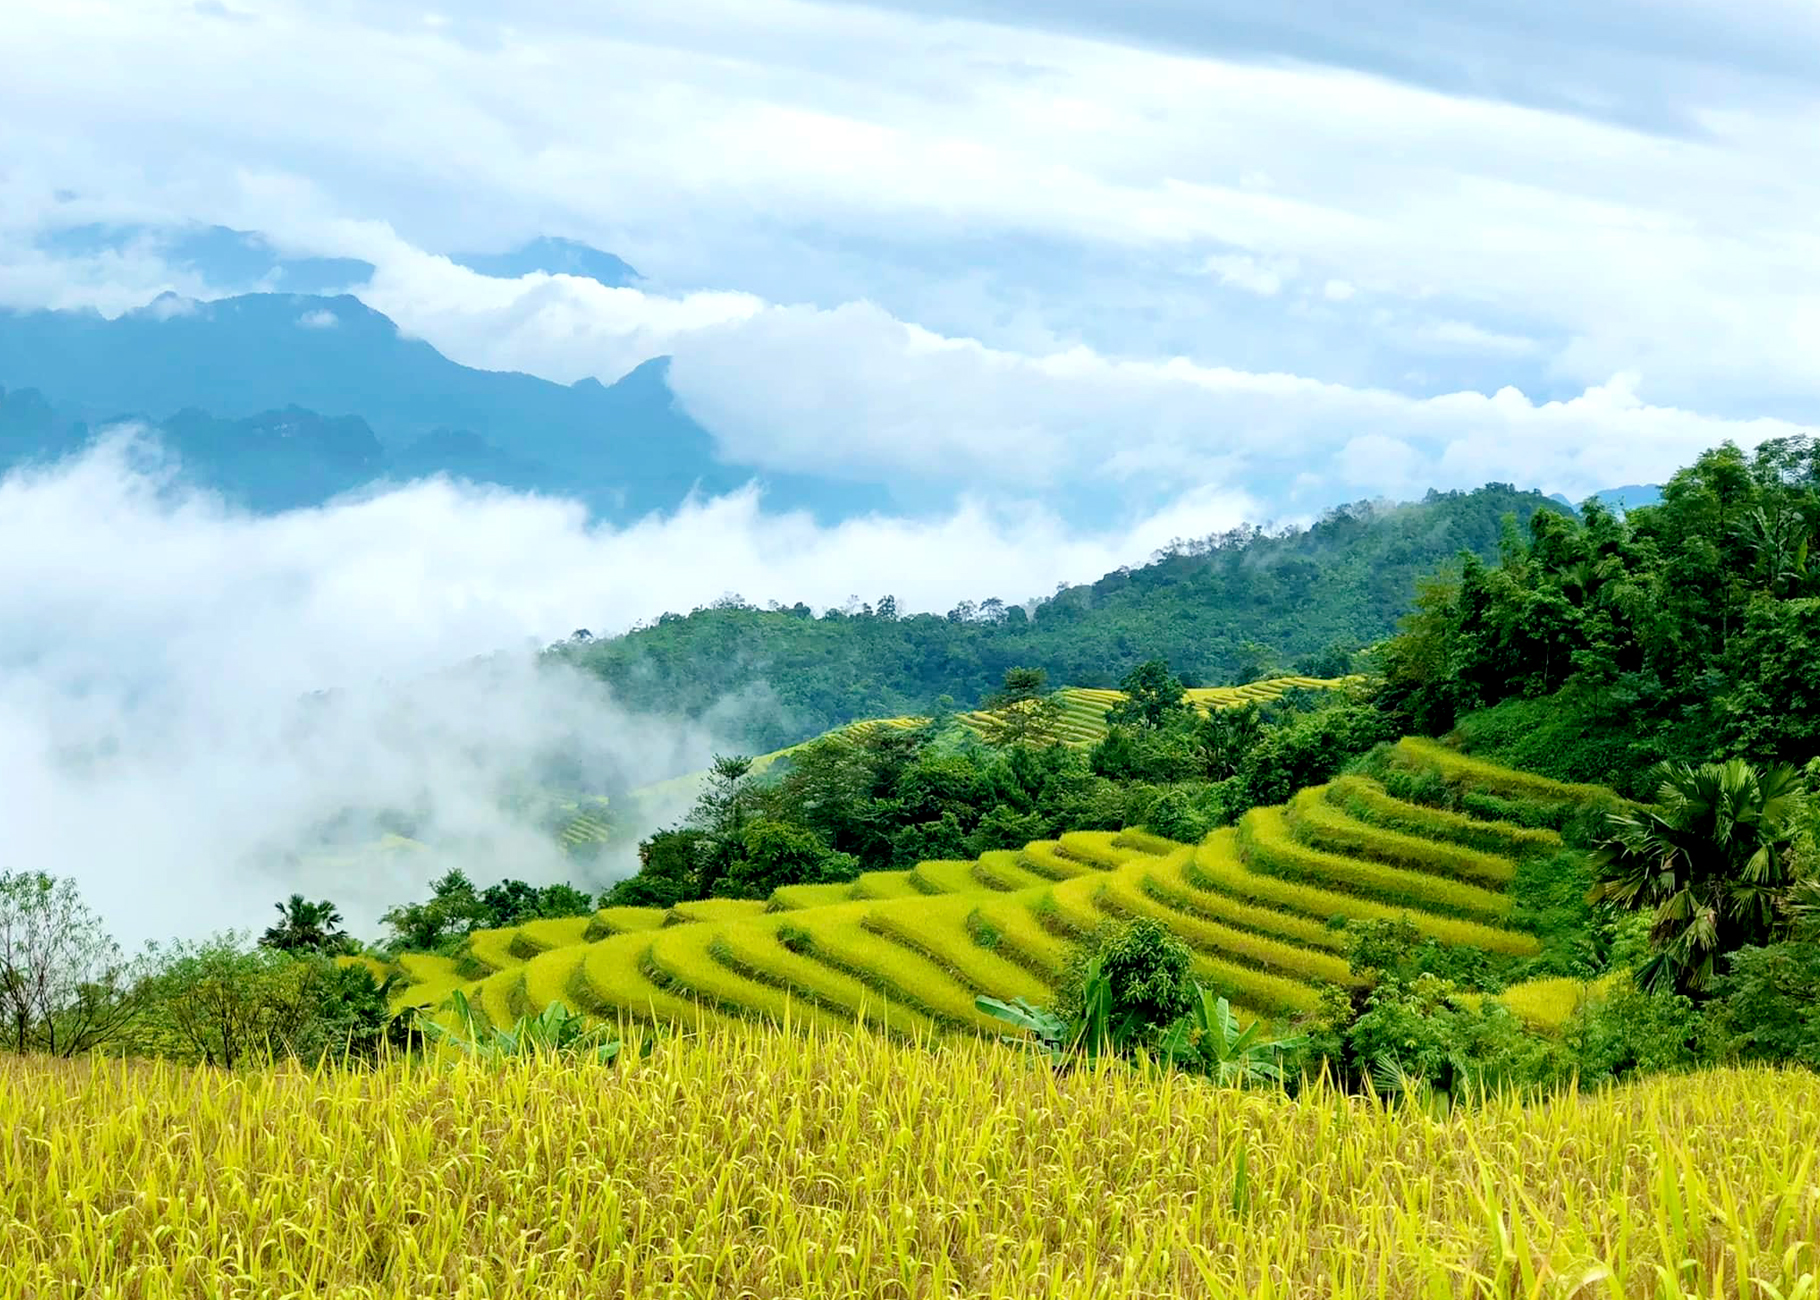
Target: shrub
1174 817
1630 1031
1767 1006
1146 969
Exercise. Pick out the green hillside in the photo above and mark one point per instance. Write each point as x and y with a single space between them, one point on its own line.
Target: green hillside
1263 904
1224 608
1081 723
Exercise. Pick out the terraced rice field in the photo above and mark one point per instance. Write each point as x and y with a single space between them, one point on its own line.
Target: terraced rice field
1263 905
1084 709
1082 722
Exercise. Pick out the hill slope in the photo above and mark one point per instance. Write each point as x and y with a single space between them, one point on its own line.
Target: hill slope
625 449
1263 905
1224 609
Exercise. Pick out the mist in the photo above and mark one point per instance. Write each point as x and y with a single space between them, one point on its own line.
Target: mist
202 710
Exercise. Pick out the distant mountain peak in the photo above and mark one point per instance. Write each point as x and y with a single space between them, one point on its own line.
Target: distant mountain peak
550 255
226 259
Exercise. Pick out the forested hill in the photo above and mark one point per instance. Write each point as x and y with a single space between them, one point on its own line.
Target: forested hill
1221 609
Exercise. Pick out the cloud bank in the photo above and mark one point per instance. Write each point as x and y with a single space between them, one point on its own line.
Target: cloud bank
187 693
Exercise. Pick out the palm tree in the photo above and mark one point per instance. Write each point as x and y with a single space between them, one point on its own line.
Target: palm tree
1711 859
304 926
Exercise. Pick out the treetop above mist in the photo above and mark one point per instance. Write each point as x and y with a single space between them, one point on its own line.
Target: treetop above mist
1222 609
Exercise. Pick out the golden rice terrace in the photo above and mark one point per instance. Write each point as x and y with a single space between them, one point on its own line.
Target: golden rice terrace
1263 904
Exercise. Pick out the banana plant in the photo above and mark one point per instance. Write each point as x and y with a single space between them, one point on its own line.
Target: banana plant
1099 1030
556 1032
1210 1040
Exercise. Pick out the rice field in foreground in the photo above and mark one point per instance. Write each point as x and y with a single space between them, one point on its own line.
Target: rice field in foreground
746 1162
1261 904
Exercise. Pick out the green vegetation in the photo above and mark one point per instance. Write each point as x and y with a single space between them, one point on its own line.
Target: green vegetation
1682 631
1601 861
1233 607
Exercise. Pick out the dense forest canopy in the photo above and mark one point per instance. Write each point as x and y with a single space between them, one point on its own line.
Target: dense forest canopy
1686 630
1226 608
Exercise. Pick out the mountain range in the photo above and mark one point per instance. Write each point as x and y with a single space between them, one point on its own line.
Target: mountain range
284 399
297 391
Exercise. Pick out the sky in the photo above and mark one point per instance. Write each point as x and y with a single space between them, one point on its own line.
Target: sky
1006 245
1221 261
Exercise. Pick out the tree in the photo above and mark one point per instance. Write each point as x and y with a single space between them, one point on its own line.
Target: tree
1152 697
1021 711
228 1003
1225 737
304 926
1712 860
669 871
65 988
775 854
452 910
720 813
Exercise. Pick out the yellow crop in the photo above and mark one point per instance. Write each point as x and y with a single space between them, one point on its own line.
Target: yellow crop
1323 825
1368 801
682 959
1098 848
1417 753
613 981
1269 844
884 884
1008 926
756 949
1216 867
1044 858
714 909
944 876
937 929
623 920
492 949
793 898
534 937
1001 869
749 1163
1126 897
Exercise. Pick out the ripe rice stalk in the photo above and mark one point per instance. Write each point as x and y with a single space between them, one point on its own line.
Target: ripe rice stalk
1125 896
1216 866
1268 846
622 920
945 877
682 957
1370 802
936 928
1001 870
1320 824
1416 753
794 898
750 1163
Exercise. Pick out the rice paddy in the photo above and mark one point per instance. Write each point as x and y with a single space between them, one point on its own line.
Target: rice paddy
749 1162
1263 905
1082 722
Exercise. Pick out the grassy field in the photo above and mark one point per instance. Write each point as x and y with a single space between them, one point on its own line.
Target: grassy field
1262 904
745 1162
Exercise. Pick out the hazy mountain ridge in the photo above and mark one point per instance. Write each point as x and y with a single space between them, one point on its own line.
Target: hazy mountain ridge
624 449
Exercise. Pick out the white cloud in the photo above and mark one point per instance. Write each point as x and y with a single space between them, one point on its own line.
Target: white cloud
1243 272
321 319
779 147
1337 290
161 658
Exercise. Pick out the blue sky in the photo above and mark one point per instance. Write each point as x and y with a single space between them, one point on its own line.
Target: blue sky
1296 253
